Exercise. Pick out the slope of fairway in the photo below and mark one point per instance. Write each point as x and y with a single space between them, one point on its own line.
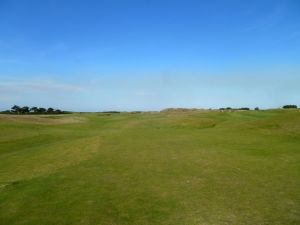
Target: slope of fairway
171 168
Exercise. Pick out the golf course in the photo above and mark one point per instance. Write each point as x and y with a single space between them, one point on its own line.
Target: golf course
174 167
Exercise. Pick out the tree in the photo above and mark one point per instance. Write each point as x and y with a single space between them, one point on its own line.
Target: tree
16 109
244 108
290 107
34 109
256 108
42 110
58 111
24 109
50 110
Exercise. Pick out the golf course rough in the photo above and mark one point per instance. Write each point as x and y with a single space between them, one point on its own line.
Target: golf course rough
167 168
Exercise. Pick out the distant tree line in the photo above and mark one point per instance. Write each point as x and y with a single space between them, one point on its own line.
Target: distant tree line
256 108
290 107
33 110
243 108
110 112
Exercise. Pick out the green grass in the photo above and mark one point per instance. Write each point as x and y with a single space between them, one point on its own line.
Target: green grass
188 168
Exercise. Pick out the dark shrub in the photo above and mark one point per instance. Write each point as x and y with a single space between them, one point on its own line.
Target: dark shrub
244 108
290 107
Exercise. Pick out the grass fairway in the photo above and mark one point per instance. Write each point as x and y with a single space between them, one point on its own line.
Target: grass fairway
171 168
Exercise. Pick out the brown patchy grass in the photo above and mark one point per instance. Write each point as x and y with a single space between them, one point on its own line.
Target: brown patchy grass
43 119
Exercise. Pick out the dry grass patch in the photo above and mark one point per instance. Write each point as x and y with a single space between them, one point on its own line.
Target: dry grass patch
43 119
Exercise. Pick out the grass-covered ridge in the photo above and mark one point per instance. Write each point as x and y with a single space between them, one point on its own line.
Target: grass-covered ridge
173 168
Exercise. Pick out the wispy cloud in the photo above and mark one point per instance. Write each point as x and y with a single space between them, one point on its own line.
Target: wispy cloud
42 92
25 86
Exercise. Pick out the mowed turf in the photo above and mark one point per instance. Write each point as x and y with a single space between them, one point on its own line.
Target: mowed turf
171 168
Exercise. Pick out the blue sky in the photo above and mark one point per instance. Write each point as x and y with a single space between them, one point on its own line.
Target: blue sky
88 55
